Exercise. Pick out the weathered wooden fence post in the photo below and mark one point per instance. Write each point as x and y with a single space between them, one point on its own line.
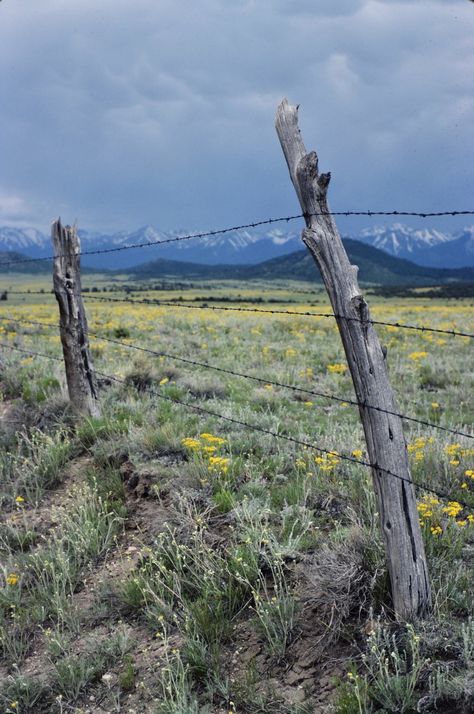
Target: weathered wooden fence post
81 380
366 359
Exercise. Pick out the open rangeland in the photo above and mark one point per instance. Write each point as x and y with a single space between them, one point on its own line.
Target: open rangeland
161 559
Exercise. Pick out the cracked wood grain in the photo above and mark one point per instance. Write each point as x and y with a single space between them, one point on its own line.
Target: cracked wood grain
366 359
80 375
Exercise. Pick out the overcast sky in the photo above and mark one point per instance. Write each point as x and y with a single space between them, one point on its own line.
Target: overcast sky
122 113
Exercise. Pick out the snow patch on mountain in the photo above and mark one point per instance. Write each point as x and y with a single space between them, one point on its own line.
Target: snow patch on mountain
21 238
428 247
402 241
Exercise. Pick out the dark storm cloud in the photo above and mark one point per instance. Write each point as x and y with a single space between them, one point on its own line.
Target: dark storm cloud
126 113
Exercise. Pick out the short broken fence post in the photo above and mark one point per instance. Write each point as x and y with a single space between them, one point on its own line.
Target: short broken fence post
366 358
80 376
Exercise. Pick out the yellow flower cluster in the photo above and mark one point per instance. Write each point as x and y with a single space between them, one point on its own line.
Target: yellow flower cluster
452 450
418 447
456 453
456 450
432 512
12 579
191 444
425 508
219 464
206 446
327 462
416 356
218 440
337 368
453 509
205 443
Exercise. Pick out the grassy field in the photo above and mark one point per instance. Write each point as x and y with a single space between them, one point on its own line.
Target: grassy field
157 559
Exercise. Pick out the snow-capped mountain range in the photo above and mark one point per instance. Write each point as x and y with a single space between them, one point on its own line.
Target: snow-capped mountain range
426 247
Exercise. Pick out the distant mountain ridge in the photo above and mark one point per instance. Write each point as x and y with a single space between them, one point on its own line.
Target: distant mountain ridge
430 248
375 267
427 247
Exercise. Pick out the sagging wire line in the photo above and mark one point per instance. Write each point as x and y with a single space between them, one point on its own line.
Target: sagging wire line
164 303
260 429
254 224
261 380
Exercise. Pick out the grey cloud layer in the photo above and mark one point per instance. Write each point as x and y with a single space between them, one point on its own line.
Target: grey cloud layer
125 113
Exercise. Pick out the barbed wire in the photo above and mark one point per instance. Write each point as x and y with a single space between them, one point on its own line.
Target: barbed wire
261 380
254 224
260 429
271 311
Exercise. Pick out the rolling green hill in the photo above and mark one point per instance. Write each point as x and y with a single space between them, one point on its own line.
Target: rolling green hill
375 266
31 268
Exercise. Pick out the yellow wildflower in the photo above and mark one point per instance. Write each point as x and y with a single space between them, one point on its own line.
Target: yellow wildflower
12 579
452 449
219 464
415 356
190 443
213 439
337 368
452 509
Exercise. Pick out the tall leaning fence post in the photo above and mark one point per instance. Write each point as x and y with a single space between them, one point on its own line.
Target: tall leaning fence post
80 376
366 358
